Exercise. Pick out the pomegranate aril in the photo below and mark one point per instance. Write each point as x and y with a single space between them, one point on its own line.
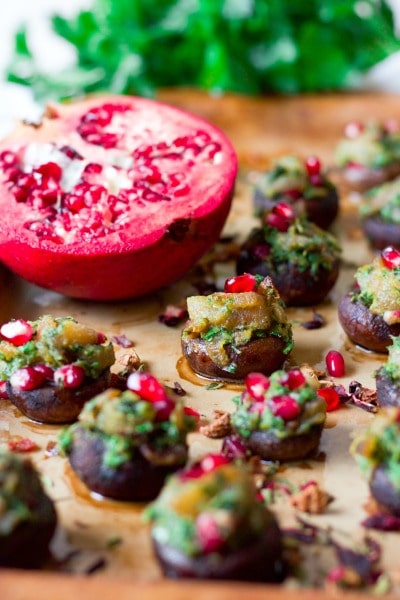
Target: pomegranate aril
390 257
74 203
353 129
233 447
8 159
293 379
284 210
313 165
208 533
101 338
26 379
50 170
191 412
92 168
240 283
256 385
69 376
335 363
18 332
46 371
71 153
212 461
3 390
146 386
293 194
163 409
285 407
331 397
316 180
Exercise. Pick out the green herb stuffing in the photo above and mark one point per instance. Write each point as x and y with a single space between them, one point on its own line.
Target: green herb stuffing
289 174
247 46
246 419
235 319
304 245
379 446
56 342
384 202
21 493
392 366
378 287
126 423
226 496
374 147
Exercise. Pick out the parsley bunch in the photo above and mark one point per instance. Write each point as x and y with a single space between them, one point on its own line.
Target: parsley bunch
246 46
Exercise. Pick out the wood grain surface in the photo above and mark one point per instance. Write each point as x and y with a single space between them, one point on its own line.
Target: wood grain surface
260 129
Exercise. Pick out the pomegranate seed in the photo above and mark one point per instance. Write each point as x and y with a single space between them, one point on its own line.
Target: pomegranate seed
293 194
313 165
71 153
285 407
335 363
50 170
293 379
18 332
336 574
213 461
390 257
74 203
101 338
22 445
391 126
240 283
331 398
27 378
8 159
280 217
190 412
284 210
256 385
261 251
316 180
146 386
92 169
163 409
45 370
233 446
3 390
208 533
69 376
353 129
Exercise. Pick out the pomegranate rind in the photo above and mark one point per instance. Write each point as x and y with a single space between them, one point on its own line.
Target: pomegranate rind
161 242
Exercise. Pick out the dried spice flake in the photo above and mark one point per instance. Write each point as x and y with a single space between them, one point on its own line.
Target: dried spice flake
172 315
22 445
220 427
311 499
316 322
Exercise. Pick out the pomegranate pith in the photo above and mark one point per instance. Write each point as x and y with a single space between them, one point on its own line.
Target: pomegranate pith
113 198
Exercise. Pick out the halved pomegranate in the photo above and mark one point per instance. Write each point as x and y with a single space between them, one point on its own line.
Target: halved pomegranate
112 197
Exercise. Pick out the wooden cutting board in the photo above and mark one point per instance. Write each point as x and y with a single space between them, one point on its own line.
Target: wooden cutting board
260 130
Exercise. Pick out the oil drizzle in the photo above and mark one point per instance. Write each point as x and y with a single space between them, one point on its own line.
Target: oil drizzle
186 372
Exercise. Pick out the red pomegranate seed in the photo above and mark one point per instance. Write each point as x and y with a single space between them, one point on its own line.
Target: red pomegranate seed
101 338
45 370
293 194
69 376
190 412
256 385
390 257
280 217
27 378
331 398
316 180
146 386
22 445
163 409
313 165
8 159
285 407
353 129
3 390
51 170
213 461
208 533
293 379
18 332
335 363
240 283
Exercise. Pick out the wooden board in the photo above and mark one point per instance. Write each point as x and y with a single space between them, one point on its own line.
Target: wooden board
260 129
